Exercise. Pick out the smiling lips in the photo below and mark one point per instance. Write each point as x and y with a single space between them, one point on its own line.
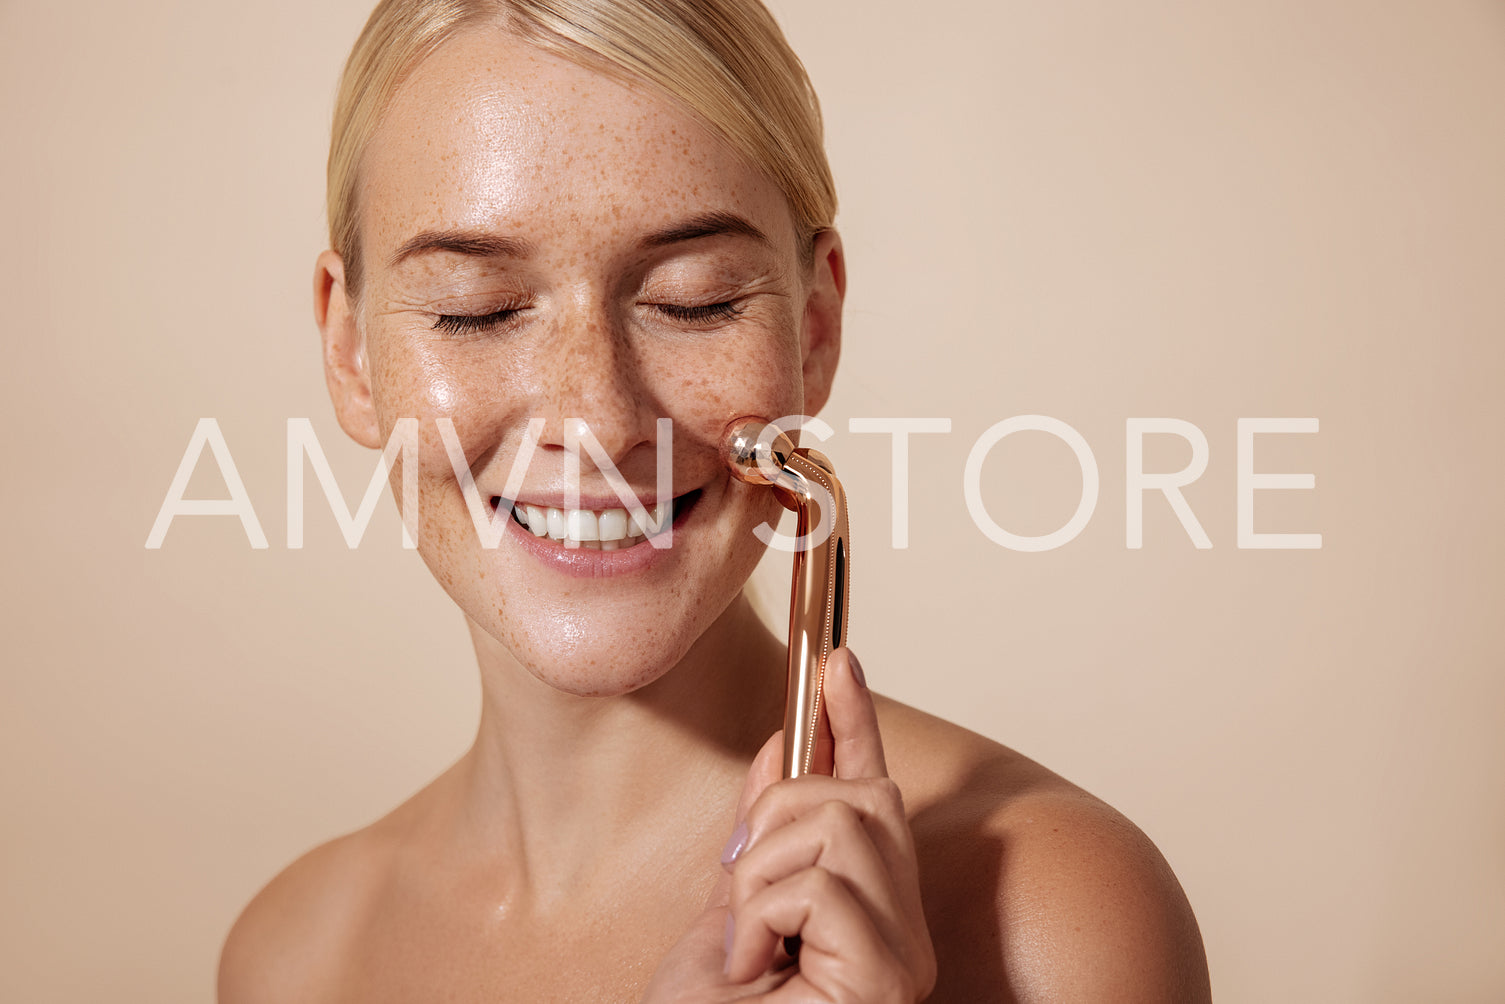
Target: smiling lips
597 529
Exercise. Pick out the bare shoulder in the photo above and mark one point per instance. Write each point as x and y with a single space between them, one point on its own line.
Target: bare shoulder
290 940
1034 889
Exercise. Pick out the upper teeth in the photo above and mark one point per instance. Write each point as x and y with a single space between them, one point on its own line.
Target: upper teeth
607 529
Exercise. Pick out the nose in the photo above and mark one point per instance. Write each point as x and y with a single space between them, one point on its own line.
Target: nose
591 385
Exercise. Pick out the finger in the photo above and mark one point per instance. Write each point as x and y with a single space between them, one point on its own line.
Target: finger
833 837
837 822
764 771
823 757
858 747
818 906
721 892
875 801
695 964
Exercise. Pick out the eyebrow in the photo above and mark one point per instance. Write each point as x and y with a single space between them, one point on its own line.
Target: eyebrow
481 244
714 224
476 243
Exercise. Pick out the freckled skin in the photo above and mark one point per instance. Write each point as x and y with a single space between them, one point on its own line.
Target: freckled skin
573 845
496 152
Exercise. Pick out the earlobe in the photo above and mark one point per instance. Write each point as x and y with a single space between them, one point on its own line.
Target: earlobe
346 372
821 332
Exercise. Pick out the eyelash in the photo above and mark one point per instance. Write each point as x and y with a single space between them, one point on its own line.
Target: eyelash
728 311
471 324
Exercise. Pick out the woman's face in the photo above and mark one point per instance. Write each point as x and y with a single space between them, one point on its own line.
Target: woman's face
540 241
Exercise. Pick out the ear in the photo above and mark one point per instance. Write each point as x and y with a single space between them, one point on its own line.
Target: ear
820 336
346 372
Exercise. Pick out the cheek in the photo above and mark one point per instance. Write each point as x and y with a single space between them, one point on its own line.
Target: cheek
442 393
413 383
704 386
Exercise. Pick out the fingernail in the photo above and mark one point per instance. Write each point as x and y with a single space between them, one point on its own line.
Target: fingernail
731 928
857 673
735 846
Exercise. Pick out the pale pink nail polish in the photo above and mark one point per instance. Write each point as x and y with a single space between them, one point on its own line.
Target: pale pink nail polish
735 846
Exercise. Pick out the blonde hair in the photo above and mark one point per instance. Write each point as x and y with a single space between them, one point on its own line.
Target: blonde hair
725 61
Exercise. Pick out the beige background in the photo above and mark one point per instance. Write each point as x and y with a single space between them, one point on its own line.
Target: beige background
1087 209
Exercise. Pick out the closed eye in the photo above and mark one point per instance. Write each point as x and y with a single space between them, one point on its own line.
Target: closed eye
470 324
728 311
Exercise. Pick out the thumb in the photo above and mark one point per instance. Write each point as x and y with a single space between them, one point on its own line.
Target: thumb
854 719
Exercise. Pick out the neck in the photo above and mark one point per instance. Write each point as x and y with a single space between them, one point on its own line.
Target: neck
559 787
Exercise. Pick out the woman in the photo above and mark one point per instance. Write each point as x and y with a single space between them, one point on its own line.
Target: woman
557 218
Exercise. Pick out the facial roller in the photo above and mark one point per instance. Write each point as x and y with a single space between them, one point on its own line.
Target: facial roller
805 481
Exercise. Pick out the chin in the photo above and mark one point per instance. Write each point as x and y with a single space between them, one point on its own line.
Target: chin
594 656
607 636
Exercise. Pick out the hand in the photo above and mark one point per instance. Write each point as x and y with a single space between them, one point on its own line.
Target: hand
829 859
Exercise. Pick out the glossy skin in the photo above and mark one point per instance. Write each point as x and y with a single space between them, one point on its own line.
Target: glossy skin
574 852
